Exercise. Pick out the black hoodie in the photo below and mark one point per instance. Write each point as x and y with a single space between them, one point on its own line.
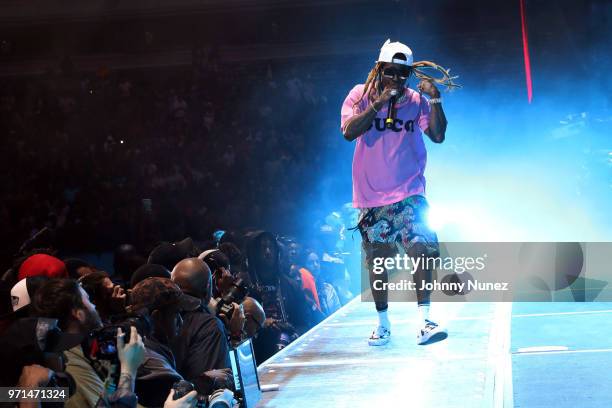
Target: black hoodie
281 296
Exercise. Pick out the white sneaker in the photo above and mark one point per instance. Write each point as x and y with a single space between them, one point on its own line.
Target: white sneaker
431 333
380 336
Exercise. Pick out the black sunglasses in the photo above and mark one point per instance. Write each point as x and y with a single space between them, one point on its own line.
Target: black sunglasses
402 74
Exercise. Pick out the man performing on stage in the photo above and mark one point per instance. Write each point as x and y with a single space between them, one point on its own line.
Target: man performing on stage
388 171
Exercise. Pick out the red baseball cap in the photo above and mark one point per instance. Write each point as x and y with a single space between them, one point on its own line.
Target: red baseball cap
42 265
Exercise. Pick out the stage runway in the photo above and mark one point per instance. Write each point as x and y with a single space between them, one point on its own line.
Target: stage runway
488 360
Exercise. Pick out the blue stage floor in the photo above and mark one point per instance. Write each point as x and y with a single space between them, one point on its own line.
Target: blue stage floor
579 373
487 361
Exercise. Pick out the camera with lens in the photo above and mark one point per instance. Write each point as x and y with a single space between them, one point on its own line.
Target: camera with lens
220 398
104 340
224 304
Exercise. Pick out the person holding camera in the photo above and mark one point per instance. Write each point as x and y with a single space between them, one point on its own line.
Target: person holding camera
109 298
203 344
219 264
162 301
65 300
227 283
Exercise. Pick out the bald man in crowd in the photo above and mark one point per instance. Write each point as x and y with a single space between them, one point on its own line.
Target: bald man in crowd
254 317
203 342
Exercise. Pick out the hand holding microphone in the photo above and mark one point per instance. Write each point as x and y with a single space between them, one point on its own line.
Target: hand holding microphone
391 108
388 95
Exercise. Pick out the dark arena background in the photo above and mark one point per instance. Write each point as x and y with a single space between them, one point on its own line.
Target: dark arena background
138 136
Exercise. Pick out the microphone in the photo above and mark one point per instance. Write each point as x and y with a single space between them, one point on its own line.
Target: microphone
390 110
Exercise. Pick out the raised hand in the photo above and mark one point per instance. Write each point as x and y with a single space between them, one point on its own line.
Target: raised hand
130 355
428 88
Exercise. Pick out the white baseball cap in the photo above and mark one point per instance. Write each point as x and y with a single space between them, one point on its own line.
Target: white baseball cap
19 295
389 49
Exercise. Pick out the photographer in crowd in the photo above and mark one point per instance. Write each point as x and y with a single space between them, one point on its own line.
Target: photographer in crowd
109 298
163 301
202 344
67 301
219 265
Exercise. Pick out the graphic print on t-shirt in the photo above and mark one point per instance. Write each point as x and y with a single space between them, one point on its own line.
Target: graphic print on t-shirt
397 127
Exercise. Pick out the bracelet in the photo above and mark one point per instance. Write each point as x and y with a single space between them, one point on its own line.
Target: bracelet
435 100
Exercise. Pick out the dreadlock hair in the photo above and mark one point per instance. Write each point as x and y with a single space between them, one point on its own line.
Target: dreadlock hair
372 83
373 77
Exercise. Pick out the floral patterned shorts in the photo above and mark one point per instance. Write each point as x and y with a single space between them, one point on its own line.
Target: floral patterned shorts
403 222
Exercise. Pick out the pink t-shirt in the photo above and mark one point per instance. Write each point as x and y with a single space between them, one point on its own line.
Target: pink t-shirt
388 164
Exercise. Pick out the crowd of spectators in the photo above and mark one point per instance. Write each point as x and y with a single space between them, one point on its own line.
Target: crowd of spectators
147 155
170 316
130 163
